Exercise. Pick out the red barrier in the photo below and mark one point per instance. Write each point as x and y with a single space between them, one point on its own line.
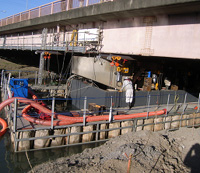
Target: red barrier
65 120
4 127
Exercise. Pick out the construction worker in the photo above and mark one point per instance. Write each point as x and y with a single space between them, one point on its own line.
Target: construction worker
128 87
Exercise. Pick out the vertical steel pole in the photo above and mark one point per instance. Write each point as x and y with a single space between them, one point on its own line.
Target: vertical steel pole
15 116
167 104
148 105
39 12
52 111
35 77
135 125
110 113
2 77
11 41
5 86
97 133
41 69
87 2
19 74
168 98
184 105
68 137
32 42
84 114
83 41
52 6
18 42
23 41
198 103
10 113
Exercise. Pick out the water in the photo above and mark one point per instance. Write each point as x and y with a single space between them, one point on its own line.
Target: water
3 159
18 162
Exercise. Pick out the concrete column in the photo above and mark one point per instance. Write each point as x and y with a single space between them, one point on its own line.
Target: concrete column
41 68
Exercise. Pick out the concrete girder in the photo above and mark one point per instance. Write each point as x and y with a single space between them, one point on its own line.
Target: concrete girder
106 11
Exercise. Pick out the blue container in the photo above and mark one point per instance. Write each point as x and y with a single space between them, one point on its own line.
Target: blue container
149 74
19 87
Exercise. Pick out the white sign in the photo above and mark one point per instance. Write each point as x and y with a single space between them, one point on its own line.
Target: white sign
88 34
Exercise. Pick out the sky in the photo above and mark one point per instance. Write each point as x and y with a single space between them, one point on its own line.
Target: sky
10 7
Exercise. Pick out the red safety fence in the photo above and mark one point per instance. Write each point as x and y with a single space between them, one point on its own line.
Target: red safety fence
47 9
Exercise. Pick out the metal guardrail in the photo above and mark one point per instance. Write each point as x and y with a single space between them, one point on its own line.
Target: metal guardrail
47 9
97 130
62 41
13 114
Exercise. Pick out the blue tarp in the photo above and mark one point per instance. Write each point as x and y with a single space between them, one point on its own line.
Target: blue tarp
19 87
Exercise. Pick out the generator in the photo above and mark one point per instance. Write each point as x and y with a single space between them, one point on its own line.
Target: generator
19 87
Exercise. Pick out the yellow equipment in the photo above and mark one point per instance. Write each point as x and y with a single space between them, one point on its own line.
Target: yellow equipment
74 38
116 58
123 69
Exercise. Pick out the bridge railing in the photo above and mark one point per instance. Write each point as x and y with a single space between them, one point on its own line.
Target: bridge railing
47 9
85 40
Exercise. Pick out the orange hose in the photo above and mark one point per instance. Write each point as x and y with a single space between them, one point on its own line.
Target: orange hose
65 120
4 126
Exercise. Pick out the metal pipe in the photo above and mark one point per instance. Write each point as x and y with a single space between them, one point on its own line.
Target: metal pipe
97 133
19 74
184 105
148 104
167 104
184 108
68 135
35 77
168 98
84 114
32 42
41 68
52 110
198 103
15 115
2 74
110 113
5 86
15 141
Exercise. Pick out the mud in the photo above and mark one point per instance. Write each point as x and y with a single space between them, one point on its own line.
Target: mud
151 152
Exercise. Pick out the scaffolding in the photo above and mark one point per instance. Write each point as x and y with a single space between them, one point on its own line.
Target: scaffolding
80 41
177 115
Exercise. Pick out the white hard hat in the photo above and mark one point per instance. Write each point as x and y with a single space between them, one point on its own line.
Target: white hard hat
126 77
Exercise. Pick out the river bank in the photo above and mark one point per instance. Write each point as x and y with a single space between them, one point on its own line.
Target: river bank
163 151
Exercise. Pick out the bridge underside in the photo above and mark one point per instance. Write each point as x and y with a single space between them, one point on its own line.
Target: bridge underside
175 36
146 34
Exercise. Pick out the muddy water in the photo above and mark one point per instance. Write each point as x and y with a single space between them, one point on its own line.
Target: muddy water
18 162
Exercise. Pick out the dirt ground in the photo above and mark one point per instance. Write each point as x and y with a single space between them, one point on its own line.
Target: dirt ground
28 71
175 151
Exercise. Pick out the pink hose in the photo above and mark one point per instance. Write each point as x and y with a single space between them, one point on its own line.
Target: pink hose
65 120
4 127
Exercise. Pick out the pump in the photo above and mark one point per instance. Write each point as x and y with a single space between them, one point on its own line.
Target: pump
19 87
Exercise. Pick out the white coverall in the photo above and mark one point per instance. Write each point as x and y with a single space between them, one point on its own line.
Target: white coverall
128 87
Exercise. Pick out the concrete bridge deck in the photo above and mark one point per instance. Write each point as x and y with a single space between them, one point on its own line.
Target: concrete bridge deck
117 9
